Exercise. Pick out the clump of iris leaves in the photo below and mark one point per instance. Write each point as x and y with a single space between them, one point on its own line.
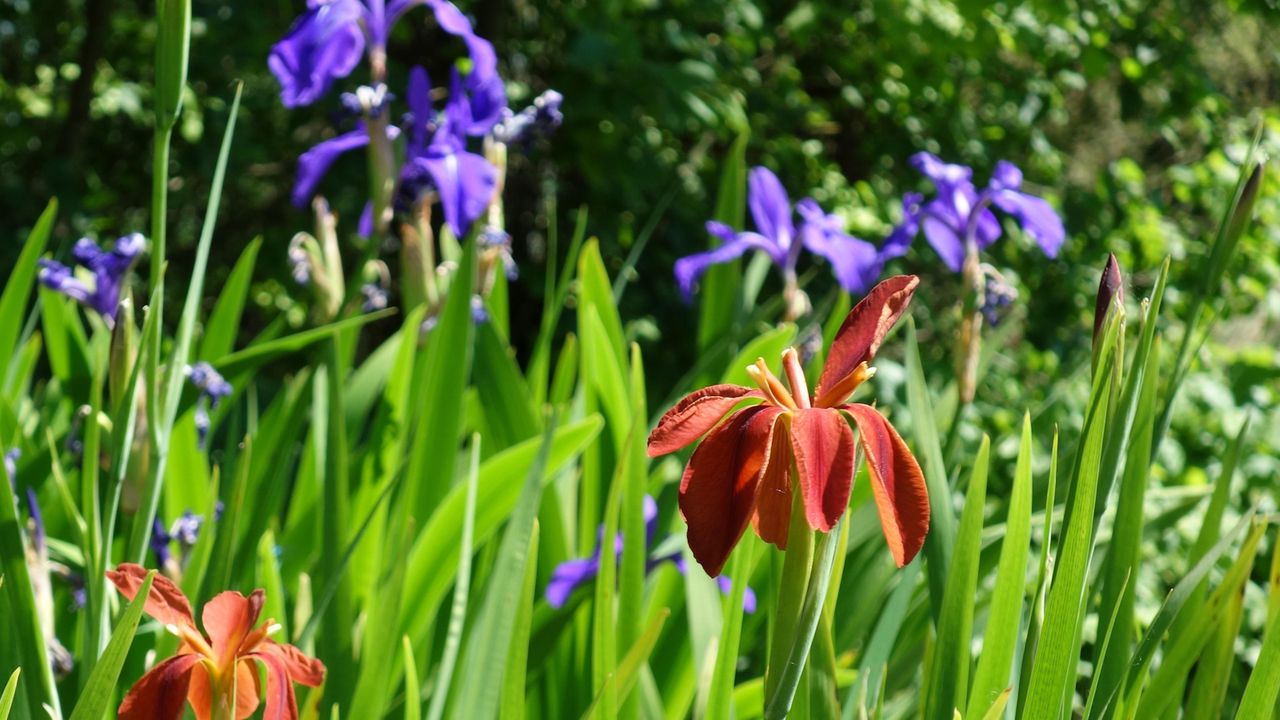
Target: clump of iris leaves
406 509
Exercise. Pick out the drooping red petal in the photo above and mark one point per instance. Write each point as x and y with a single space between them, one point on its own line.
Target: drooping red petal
280 701
165 602
772 518
228 618
897 483
161 693
247 689
718 490
693 416
302 668
865 327
823 444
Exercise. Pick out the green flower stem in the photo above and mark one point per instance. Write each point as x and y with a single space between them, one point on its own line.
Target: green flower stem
791 589
778 702
159 199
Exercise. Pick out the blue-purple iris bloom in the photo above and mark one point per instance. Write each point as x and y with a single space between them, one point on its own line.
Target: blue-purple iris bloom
436 156
212 388
569 575
327 41
110 270
855 262
960 212
185 530
538 120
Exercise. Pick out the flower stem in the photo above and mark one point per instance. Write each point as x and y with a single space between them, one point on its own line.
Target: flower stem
791 589
778 702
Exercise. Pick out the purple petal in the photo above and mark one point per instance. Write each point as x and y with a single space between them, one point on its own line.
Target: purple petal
770 207
419 100
1006 176
314 163
488 98
1036 216
945 240
942 174
567 577
465 182
59 278
855 262
324 44
900 239
688 269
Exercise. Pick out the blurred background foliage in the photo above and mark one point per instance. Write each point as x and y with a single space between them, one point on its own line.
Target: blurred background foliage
1129 115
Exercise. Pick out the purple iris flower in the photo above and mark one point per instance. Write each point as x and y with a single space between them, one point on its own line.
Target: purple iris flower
436 157
314 163
327 41
185 530
569 575
538 120
212 389
856 263
959 212
109 268
160 539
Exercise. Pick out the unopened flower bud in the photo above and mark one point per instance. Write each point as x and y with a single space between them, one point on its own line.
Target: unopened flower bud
1110 287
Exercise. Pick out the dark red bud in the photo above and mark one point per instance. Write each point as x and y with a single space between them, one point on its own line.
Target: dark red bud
1111 286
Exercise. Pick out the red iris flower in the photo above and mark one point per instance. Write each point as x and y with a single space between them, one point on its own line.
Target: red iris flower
744 467
217 672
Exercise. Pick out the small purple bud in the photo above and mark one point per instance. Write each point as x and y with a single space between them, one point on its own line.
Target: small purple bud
1111 286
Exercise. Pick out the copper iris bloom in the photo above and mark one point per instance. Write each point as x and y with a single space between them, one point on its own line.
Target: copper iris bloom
856 263
110 270
327 41
959 213
753 458
216 668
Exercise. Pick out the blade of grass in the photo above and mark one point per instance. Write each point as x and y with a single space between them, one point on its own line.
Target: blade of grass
1000 640
949 678
101 685
940 545
461 590
628 669
17 287
167 403
480 690
224 322
513 680
10 689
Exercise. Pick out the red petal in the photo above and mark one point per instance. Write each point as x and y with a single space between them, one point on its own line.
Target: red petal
865 327
302 668
161 693
823 444
693 416
281 704
200 693
227 619
901 495
165 602
718 490
247 690
772 519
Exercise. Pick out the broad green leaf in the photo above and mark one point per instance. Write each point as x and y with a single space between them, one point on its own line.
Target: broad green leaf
768 346
996 711
949 678
509 414
224 322
17 288
1053 672
1259 699
940 545
595 291
720 695
260 353
480 691
96 697
432 562
412 693
625 678
718 288
1000 639
513 679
